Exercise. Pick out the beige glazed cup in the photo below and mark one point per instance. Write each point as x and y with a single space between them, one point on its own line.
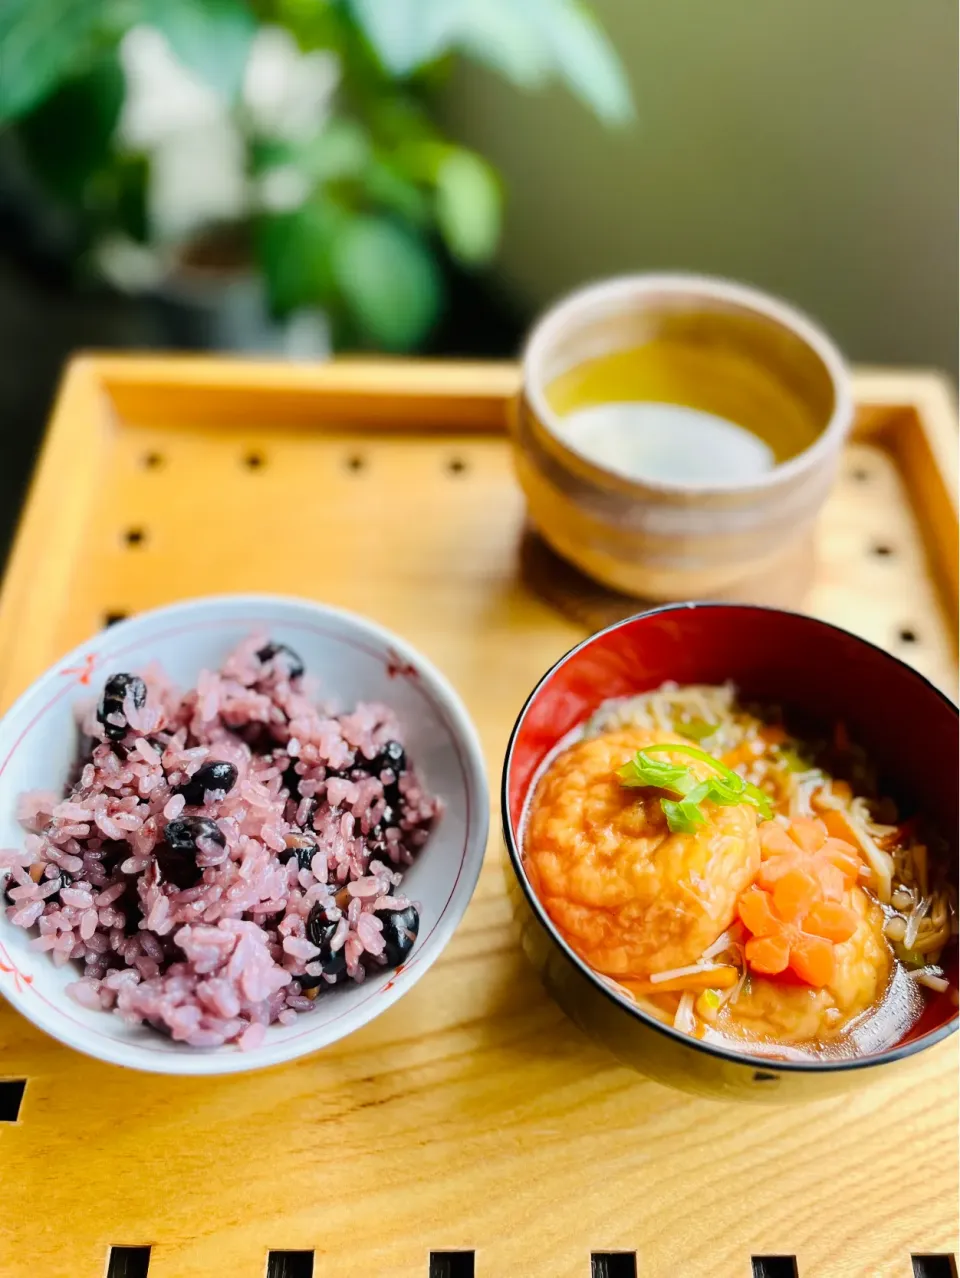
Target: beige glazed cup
736 539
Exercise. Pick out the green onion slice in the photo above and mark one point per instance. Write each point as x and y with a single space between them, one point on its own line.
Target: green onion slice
684 814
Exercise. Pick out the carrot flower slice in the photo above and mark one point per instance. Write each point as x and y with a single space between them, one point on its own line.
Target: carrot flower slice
774 841
813 959
756 913
769 954
795 915
793 894
832 862
832 921
808 833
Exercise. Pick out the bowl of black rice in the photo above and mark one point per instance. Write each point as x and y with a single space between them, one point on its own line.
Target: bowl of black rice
232 831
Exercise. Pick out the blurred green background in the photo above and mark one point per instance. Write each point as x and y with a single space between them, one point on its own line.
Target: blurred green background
301 176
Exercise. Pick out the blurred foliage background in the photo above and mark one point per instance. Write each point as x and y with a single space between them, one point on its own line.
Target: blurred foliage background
275 160
297 176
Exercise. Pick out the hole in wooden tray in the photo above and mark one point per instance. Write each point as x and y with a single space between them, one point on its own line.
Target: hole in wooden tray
254 461
881 550
153 461
111 618
355 463
860 474
774 1266
290 1264
907 634
764 1076
128 1262
456 466
934 1266
613 1264
11 1096
135 536
451 1264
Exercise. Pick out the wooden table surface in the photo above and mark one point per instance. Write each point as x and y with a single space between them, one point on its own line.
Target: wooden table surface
472 1115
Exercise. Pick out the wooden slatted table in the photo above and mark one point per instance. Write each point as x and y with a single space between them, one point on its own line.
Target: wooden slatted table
472 1117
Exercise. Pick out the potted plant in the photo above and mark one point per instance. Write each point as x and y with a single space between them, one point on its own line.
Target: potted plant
270 169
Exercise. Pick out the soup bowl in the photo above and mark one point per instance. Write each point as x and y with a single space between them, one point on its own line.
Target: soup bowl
353 660
907 726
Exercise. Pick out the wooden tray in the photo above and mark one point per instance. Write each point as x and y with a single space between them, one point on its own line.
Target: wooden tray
471 1117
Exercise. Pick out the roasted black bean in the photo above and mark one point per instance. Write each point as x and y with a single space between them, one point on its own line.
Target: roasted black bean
288 658
400 928
304 855
179 868
308 982
115 691
320 929
212 776
392 758
182 834
64 881
378 833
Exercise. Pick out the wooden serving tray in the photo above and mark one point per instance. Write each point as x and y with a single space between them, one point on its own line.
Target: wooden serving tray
472 1117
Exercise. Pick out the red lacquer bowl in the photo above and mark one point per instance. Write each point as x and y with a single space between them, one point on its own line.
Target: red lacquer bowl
813 669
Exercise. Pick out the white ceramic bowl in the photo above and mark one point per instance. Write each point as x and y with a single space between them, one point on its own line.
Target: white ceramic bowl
355 660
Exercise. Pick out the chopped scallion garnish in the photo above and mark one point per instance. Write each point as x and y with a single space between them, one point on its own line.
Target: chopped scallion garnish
685 814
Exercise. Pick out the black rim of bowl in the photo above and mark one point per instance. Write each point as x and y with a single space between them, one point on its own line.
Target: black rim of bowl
737 1058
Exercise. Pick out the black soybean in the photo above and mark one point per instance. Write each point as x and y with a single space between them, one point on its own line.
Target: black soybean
400 928
320 929
305 857
115 691
391 758
334 964
290 659
303 854
212 776
386 822
178 868
182 835
64 881
308 982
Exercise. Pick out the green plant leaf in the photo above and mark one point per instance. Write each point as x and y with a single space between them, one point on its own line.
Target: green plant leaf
295 250
407 34
41 43
131 174
388 280
340 151
68 136
504 35
210 37
404 33
585 58
468 206
527 41
395 192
